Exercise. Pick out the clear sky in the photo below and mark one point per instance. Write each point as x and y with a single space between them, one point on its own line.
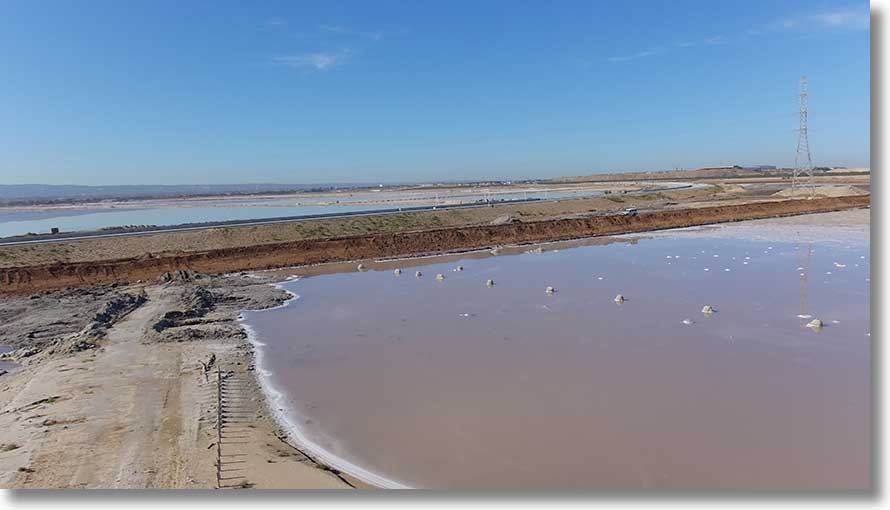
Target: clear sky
111 92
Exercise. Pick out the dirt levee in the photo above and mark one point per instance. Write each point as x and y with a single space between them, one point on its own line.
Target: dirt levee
61 275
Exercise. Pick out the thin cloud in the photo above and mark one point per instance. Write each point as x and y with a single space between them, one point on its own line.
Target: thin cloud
349 32
853 19
641 54
839 19
319 61
658 50
276 22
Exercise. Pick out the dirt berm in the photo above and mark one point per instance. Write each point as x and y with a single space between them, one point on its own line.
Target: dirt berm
35 278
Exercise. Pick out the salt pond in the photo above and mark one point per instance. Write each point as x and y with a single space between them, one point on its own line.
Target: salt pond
457 384
15 221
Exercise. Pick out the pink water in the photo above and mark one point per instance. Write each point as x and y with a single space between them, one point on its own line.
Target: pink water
454 384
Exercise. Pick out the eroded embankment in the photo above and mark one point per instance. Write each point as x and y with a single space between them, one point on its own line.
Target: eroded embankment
57 276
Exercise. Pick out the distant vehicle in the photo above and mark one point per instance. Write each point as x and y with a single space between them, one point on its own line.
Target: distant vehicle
54 230
630 211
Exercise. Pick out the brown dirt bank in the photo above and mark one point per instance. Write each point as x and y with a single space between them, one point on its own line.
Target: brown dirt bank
35 278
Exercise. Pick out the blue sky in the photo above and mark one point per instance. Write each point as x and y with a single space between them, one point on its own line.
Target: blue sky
115 92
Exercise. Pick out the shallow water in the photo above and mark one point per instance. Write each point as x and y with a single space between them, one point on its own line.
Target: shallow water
19 222
454 384
73 220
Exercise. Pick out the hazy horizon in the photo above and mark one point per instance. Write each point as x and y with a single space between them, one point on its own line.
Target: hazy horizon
104 93
378 182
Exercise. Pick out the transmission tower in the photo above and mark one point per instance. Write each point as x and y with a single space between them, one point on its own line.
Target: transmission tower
803 164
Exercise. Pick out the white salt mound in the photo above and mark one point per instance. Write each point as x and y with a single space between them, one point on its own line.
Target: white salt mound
815 324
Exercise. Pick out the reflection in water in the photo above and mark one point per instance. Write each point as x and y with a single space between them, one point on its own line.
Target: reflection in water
460 384
804 267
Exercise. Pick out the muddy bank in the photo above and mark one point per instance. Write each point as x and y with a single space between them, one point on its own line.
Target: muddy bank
17 280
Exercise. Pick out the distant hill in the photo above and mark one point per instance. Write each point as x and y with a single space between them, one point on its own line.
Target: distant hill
20 194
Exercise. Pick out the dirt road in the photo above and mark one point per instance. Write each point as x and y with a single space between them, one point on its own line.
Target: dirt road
137 412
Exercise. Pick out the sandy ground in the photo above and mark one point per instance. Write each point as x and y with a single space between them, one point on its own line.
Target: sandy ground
138 410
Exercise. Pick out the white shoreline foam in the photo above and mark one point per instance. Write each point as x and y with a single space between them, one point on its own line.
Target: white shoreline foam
278 405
